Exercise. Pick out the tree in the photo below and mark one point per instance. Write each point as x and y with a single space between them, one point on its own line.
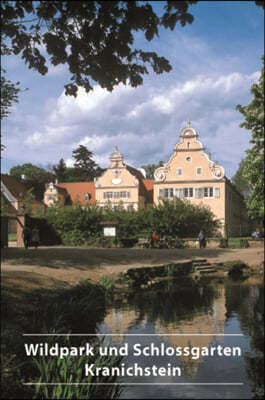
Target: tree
85 167
60 170
254 162
34 178
150 169
240 181
9 94
93 38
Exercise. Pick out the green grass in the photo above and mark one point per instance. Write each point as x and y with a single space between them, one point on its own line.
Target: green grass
237 242
12 236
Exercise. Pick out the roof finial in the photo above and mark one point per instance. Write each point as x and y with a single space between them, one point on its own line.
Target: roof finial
188 123
116 148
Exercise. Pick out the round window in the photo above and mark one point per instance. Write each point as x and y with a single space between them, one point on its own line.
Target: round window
188 159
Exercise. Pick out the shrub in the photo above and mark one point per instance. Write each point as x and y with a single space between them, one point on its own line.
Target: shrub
244 243
107 283
223 243
235 268
177 218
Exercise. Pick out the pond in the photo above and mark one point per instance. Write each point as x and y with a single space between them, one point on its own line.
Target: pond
205 314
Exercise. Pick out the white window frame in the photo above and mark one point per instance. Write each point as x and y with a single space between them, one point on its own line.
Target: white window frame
217 192
188 192
208 192
198 192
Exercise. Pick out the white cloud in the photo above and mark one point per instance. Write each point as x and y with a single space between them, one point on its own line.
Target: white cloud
145 123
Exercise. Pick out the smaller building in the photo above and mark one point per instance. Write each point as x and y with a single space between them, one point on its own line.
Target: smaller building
69 193
123 186
15 196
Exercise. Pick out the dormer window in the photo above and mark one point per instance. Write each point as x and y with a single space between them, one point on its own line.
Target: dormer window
188 145
198 170
87 196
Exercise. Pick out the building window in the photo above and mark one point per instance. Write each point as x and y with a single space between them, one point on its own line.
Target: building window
179 193
198 193
49 198
208 192
179 171
217 192
188 159
116 195
188 192
107 195
188 145
199 171
130 207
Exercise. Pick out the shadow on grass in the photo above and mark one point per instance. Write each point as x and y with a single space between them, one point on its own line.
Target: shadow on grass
84 258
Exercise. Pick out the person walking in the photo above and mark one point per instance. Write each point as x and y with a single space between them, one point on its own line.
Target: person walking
202 239
35 237
26 234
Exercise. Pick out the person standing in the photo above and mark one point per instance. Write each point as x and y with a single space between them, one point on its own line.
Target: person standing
202 239
26 234
35 237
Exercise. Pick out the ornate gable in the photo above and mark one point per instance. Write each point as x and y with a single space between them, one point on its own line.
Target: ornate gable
189 162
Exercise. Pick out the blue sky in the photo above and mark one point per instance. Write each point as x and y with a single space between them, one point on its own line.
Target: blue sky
215 60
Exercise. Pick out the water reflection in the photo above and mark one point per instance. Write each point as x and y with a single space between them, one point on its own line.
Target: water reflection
209 307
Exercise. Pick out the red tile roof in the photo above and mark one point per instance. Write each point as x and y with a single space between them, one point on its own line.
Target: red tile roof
16 188
138 174
149 189
78 190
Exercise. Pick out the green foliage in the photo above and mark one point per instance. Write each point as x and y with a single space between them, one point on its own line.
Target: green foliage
240 181
253 170
71 369
235 268
75 225
238 243
223 243
35 178
94 39
107 283
27 203
60 171
150 169
9 94
79 226
74 310
85 167
181 218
